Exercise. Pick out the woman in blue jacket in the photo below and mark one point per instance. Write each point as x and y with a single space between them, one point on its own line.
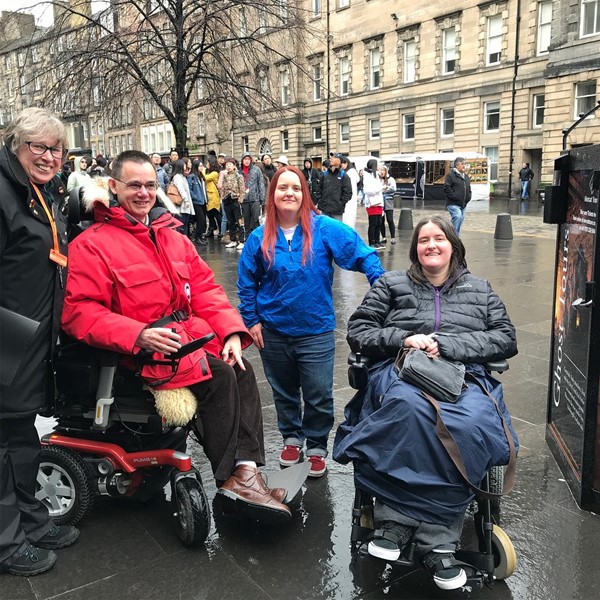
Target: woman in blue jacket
285 277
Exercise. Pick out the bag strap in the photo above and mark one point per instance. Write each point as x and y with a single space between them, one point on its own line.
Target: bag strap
455 455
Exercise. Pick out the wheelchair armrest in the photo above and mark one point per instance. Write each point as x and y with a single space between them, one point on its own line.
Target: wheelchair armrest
497 365
358 371
356 358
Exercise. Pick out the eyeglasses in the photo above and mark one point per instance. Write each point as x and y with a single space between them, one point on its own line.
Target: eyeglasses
136 186
39 149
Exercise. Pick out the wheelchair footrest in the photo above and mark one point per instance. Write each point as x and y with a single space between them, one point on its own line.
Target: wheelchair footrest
483 563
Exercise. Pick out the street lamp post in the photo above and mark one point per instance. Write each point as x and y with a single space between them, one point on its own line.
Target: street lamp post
328 95
511 158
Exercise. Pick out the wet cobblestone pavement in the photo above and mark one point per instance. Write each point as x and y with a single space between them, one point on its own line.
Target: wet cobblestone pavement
127 550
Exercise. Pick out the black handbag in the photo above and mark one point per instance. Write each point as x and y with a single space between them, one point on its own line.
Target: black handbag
441 378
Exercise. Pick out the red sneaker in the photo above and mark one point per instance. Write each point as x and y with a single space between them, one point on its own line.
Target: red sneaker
317 466
290 455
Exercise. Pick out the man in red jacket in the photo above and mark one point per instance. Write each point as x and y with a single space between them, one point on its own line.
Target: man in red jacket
132 269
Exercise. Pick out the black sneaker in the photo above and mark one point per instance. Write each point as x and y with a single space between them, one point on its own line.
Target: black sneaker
447 575
59 536
389 541
29 561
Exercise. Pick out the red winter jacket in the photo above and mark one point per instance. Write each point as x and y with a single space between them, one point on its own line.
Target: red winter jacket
124 275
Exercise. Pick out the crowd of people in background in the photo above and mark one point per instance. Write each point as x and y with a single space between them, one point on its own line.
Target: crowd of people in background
225 198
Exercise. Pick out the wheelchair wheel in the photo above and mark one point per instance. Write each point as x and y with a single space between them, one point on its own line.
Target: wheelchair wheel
64 485
505 557
193 512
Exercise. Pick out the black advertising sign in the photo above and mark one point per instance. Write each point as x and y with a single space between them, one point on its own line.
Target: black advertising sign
573 429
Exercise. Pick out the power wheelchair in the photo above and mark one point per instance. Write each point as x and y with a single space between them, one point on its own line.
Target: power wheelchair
110 441
495 558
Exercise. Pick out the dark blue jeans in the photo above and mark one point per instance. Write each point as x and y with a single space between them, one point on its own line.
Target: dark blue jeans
301 368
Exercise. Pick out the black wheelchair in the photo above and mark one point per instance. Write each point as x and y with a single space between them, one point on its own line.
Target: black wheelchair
110 441
495 557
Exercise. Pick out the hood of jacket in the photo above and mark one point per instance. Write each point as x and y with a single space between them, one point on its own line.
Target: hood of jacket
10 165
304 167
97 197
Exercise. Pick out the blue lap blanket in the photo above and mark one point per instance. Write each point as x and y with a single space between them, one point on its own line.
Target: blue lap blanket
389 435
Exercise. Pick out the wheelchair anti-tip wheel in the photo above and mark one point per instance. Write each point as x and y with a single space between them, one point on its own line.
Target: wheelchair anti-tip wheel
193 512
64 485
505 557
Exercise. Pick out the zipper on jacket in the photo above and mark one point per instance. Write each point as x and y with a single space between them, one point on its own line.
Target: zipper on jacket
289 245
438 308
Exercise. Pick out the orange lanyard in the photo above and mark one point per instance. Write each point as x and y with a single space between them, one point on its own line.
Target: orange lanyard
56 255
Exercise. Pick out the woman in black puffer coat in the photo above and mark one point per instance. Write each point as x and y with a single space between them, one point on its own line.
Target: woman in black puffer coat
439 307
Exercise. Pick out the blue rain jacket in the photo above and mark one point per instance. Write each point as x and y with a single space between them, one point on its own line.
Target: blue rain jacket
389 435
293 299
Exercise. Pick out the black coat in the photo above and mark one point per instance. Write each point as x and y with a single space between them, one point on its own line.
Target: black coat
457 189
29 283
336 190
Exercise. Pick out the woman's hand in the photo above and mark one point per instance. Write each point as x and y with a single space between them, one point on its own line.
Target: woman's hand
256 333
232 351
423 342
159 339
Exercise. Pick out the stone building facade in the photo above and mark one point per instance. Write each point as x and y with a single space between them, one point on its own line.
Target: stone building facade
389 76
370 77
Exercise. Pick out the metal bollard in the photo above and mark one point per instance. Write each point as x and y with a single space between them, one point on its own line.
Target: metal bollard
503 227
405 222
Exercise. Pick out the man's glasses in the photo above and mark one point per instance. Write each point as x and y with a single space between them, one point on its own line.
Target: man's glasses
39 149
136 186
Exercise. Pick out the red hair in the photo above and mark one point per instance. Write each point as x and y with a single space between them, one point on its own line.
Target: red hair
307 209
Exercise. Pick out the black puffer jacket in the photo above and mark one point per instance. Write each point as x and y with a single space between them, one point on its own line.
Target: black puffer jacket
29 283
471 323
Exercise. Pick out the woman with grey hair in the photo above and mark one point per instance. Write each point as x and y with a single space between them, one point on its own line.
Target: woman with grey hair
33 243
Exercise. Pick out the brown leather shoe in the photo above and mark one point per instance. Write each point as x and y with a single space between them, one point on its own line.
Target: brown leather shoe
278 493
253 498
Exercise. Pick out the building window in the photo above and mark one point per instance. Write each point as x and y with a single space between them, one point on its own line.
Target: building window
491 116
447 121
243 24
410 61
7 62
316 8
374 130
262 20
544 26
408 127
374 68
585 97
285 141
590 17
344 132
344 67
35 55
284 78
317 76
316 134
20 59
492 153
449 50
245 144
539 101
494 40
130 141
343 3
283 10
